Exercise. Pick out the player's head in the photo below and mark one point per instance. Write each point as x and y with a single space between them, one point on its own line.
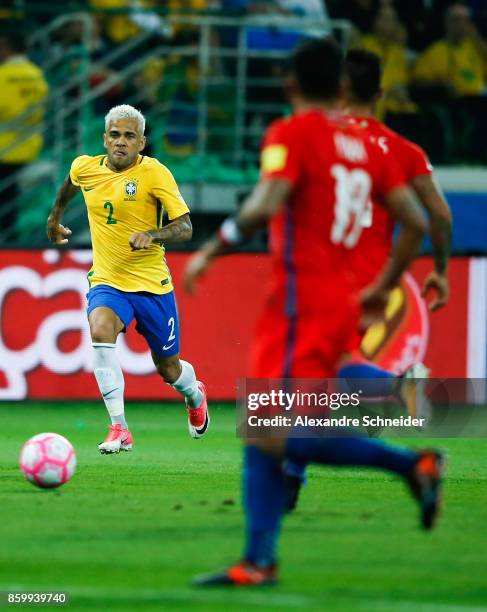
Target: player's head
316 71
363 75
124 135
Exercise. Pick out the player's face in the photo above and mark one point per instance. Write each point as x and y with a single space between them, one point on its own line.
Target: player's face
123 143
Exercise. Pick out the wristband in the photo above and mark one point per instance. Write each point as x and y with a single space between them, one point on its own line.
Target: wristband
229 234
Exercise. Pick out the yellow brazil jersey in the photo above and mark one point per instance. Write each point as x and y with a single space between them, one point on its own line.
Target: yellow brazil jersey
395 74
462 66
119 204
120 26
23 90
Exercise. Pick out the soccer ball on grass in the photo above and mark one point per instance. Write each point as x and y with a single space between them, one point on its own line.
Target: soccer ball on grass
47 460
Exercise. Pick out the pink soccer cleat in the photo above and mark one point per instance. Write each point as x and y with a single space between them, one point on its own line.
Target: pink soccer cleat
198 418
117 440
127 441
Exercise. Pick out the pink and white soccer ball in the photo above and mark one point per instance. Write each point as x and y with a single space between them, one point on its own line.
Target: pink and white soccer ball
47 460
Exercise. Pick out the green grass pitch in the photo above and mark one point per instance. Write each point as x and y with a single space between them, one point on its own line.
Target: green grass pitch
129 531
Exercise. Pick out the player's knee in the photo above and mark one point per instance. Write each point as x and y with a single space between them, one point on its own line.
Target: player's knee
169 368
103 331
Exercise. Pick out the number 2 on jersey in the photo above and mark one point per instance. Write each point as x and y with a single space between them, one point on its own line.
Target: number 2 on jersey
353 208
110 219
171 323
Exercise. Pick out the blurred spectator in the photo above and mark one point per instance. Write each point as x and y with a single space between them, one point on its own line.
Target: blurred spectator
419 17
450 81
388 41
185 7
83 31
81 39
172 86
133 18
23 90
459 61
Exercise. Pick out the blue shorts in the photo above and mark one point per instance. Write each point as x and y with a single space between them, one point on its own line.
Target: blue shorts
156 315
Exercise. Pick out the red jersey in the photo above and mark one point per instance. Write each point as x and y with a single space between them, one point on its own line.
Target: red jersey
376 240
334 169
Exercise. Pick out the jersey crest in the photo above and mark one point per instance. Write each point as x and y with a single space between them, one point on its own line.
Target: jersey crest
130 190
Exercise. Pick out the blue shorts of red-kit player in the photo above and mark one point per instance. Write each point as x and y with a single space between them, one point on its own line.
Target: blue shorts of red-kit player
156 316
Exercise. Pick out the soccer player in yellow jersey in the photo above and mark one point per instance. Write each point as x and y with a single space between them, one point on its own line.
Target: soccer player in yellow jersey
125 193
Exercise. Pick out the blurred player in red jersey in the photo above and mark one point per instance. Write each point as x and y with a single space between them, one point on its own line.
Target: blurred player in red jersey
363 75
363 72
318 173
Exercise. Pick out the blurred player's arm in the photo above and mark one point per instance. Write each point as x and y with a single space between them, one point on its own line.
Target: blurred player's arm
263 203
178 230
441 231
403 207
57 233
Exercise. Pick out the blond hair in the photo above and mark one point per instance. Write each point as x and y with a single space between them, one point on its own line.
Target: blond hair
125 111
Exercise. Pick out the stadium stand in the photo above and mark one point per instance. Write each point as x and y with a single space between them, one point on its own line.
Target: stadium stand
208 75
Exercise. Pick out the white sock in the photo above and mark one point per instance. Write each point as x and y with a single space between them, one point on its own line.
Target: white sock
109 377
186 385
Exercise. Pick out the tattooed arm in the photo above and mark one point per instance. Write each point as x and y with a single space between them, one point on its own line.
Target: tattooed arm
179 230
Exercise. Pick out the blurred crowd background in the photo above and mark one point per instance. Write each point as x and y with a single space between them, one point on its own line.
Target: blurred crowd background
208 76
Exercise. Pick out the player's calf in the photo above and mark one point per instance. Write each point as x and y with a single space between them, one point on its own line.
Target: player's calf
294 478
183 379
